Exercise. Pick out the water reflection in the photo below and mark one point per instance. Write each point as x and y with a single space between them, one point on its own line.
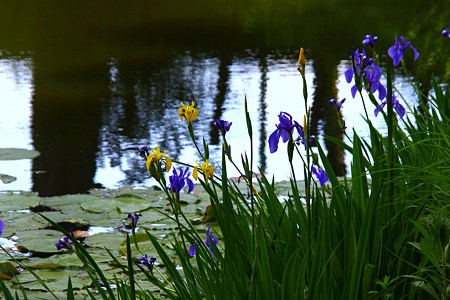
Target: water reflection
107 78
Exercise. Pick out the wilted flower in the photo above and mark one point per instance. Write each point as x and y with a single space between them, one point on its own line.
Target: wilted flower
188 112
397 50
210 237
284 130
223 126
64 243
179 179
336 103
369 40
134 219
446 33
208 170
395 104
2 226
156 156
320 174
149 264
143 152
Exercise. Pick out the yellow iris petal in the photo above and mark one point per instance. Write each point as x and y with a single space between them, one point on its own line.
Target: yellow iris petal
208 170
195 173
156 156
168 163
189 112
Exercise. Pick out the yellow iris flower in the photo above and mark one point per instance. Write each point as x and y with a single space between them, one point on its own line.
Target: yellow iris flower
208 170
189 112
157 156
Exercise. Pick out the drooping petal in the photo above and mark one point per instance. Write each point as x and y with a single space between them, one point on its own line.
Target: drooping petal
192 251
354 89
380 107
2 226
349 74
285 135
321 175
274 138
190 185
400 109
195 173
381 91
416 53
395 54
168 163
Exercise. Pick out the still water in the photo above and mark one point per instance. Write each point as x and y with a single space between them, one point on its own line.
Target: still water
86 88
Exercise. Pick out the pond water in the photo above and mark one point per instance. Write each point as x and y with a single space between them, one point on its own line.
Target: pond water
86 85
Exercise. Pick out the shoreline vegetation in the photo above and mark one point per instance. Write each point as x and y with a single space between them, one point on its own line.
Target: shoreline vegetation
381 232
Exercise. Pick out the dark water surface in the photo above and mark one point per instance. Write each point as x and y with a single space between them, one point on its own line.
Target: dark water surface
86 83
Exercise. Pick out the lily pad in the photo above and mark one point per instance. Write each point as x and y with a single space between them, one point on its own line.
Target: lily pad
7 270
10 202
105 240
16 153
54 279
7 178
42 241
123 205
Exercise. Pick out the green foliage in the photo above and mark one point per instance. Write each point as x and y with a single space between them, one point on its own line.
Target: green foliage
380 233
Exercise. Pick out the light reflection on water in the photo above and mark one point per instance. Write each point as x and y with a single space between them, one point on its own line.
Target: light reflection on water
270 85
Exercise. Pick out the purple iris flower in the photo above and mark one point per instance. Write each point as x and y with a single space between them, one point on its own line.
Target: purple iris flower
320 174
143 152
373 76
210 237
179 179
369 71
149 264
223 126
64 243
396 51
369 40
395 103
284 130
337 104
2 226
446 33
134 219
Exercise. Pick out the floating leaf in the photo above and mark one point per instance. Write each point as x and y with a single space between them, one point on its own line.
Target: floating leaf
99 205
123 205
130 205
55 280
7 178
15 202
40 241
7 270
16 153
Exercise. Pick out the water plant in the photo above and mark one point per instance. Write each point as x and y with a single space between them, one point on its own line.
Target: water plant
381 232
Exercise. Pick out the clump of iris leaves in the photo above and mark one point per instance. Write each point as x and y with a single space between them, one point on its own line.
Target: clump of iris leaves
382 232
